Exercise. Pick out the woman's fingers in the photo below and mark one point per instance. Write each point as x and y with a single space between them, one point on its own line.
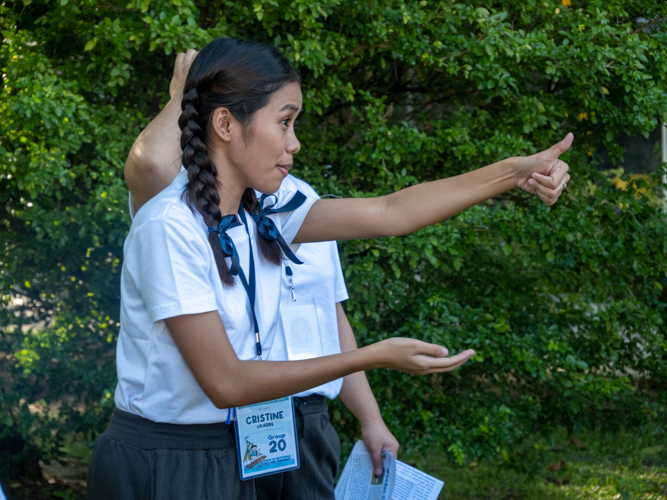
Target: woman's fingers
438 365
189 57
183 63
181 68
376 457
420 358
179 60
549 187
547 194
556 175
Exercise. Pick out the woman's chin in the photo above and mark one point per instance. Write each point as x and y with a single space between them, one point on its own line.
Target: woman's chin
270 187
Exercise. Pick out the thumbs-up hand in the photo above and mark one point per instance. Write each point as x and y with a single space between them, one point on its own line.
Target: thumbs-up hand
543 173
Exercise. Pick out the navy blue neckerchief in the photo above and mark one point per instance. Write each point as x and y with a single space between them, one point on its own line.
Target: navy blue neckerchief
266 229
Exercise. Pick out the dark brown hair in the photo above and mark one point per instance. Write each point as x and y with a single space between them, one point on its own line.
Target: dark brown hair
240 75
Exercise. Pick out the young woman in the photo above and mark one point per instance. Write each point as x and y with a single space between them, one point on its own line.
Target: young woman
153 163
187 353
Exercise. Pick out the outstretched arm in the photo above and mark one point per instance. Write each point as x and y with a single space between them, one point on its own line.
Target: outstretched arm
154 161
358 397
155 157
229 382
413 208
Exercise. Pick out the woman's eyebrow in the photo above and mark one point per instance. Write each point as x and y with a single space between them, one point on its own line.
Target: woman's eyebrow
292 107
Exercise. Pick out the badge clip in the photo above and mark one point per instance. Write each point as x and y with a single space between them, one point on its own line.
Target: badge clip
288 272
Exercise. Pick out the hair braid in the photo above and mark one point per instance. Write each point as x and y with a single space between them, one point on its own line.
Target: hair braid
201 191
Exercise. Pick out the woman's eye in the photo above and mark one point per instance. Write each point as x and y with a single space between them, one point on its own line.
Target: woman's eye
287 120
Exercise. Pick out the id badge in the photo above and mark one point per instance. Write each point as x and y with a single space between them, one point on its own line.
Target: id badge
266 441
302 336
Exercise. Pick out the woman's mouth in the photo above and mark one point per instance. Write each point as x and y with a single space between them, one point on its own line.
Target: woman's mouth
284 169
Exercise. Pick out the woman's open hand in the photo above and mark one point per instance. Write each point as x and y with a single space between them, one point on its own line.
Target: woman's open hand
543 173
419 358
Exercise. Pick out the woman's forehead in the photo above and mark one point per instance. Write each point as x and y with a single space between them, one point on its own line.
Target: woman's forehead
288 98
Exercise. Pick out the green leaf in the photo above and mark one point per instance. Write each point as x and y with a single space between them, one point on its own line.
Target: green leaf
91 44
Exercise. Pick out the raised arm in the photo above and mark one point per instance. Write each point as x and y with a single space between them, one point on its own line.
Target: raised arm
413 208
155 156
230 382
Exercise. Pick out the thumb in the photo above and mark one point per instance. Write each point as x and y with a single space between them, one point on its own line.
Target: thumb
560 147
376 456
434 350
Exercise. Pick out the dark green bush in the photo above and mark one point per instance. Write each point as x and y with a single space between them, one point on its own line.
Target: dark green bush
565 306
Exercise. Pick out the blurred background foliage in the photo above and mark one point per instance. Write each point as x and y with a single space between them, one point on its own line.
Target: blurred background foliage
565 306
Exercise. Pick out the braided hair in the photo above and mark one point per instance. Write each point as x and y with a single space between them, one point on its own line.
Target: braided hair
240 75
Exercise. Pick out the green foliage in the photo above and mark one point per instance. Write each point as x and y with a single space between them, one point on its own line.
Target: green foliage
565 306
596 464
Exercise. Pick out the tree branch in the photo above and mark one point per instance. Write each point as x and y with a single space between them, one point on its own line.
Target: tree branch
649 24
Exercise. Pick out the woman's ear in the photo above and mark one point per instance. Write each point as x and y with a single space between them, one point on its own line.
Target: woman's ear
224 124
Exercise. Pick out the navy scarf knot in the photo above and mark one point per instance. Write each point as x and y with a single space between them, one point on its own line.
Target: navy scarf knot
228 248
267 228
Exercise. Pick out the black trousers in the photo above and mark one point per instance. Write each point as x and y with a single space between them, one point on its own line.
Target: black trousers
319 446
137 459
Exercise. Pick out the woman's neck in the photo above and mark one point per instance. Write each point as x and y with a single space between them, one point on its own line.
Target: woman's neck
230 198
231 187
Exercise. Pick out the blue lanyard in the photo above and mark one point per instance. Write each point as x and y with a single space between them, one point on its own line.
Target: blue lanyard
266 229
250 285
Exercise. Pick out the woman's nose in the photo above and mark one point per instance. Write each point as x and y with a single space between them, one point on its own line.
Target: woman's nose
293 146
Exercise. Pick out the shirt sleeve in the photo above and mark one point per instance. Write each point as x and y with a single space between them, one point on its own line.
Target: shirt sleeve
170 265
133 207
290 222
340 289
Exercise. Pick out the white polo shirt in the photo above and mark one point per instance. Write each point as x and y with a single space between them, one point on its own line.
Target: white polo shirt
318 280
169 270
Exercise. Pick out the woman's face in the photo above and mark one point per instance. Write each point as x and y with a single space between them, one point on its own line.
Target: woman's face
263 156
